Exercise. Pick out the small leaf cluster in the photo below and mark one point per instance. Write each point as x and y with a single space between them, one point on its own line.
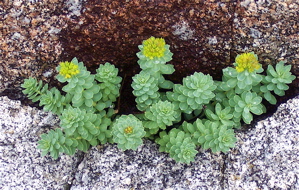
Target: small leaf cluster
196 91
51 100
276 81
145 89
109 80
160 115
55 142
92 127
178 144
85 111
243 88
180 118
127 132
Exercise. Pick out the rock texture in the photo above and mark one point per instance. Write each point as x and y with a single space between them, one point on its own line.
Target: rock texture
109 168
21 166
265 157
29 42
35 35
204 35
269 28
199 33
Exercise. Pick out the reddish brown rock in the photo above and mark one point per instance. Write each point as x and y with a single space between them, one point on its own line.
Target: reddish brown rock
269 28
203 35
29 42
198 32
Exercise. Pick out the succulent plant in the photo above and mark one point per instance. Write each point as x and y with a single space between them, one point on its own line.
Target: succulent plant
127 132
192 131
178 144
153 55
145 89
163 113
55 142
179 117
72 71
81 86
109 80
278 78
245 104
245 74
155 51
86 125
53 101
34 89
247 62
224 116
215 136
196 91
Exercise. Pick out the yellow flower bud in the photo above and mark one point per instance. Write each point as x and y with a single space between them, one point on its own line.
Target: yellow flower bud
154 47
68 69
247 61
128 130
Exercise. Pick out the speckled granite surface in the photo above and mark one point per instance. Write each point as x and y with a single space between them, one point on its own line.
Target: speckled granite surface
146 168
21 166
265 157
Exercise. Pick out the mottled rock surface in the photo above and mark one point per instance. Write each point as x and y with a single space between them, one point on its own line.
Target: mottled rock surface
107 168
265 157
204 35
198 32
29 39
21 165
269 28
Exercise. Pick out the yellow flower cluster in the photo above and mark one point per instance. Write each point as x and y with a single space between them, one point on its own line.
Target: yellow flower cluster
247 61
154 47
68 69
128 130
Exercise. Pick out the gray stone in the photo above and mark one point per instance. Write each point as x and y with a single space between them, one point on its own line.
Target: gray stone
266 156
21 165
107 167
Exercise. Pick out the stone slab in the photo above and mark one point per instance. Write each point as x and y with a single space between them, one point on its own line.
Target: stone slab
108 167
265 157
21 164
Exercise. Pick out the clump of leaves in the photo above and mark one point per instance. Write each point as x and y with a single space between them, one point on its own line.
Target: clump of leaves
200 112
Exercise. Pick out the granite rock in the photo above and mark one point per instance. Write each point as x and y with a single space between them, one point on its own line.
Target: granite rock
204 35
265 157
29 39
21 165
107 167
270 29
